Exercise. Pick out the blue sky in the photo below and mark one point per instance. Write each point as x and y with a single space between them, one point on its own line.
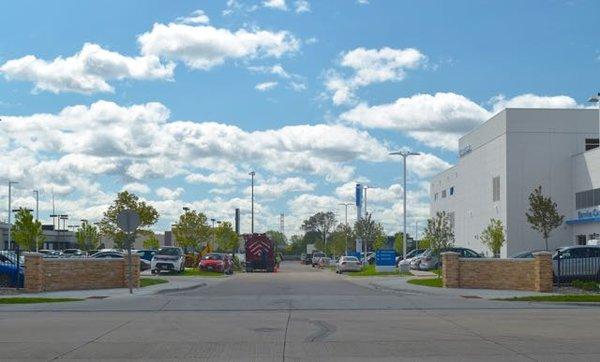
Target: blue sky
178 100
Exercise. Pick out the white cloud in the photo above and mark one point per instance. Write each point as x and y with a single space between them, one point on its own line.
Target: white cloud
88 71
370 66
166 193
275 4
136 187
302 6
265 86
197 17
203 47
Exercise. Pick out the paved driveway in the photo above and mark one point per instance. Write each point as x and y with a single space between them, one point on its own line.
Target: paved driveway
298 314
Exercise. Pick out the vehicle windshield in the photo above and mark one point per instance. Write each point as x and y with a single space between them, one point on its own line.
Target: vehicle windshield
169 251
213 257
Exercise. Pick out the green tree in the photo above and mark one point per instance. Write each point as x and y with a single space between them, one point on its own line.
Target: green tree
278 237
321 223
126 200
26 232
439 231
227 238
368 230
151 243
192 230
87 236
543 214
493 236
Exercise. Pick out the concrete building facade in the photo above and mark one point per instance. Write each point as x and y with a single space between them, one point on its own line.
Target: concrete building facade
504 159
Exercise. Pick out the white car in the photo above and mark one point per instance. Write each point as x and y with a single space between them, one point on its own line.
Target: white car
348 263
169 258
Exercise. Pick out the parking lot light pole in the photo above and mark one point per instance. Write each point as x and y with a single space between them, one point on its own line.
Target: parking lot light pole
10 183
346 204
404 155
252 173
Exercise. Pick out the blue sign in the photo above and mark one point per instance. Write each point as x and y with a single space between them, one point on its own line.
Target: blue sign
385 257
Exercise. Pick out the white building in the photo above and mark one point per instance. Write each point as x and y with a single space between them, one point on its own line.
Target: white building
504 159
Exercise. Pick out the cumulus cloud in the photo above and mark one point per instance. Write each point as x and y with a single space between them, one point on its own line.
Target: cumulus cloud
265 86
275 4
88 71
438 120
370 66
204 46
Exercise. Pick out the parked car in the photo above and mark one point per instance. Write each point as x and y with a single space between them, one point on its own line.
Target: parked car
577 262
432 259
73 253
168 258
348 263
144 264
315 258
218 262
146 254
11 275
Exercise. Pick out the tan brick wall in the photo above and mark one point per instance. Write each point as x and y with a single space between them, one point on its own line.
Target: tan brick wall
77 273
490 273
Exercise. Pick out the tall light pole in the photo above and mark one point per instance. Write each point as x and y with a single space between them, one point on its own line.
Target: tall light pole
404 155
252 173
10 183
346 204
37 213
596 99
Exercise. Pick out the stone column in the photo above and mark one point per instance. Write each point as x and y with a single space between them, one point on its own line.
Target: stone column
543 271
135 271
34 273
450 270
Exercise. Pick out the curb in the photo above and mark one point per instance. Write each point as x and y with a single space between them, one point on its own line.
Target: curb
181 289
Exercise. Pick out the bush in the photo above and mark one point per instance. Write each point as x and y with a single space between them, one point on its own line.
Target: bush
192 260
586 285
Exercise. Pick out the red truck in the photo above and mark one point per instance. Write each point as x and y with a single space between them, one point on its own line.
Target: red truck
260 253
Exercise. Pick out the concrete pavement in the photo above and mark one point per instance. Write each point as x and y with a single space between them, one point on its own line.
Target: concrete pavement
298 314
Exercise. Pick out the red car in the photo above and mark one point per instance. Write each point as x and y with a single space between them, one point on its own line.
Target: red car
217 262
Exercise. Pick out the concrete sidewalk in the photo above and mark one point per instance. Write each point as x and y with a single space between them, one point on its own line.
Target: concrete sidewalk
400 284
176 283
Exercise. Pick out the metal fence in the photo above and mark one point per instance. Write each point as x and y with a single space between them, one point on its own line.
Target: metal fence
11 269
577 264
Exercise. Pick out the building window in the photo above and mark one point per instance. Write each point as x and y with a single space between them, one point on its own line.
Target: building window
591 143
589 198
451 190
443 194
496 188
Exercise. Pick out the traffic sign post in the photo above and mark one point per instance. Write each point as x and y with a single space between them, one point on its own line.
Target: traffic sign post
128 221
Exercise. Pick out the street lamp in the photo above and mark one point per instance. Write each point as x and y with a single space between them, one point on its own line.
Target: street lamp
10 183
346 204
596 99
252 173
404 155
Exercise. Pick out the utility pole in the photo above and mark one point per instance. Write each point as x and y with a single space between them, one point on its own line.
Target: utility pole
252 173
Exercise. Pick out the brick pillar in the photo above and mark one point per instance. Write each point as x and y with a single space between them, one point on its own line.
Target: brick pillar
450 270
135 269
34 273
543 271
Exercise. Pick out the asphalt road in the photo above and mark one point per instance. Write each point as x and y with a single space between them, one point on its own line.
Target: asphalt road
298 314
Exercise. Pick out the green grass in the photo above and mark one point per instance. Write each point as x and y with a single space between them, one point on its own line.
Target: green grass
572 298
146 282
369 271
195 272
31 300
427 282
